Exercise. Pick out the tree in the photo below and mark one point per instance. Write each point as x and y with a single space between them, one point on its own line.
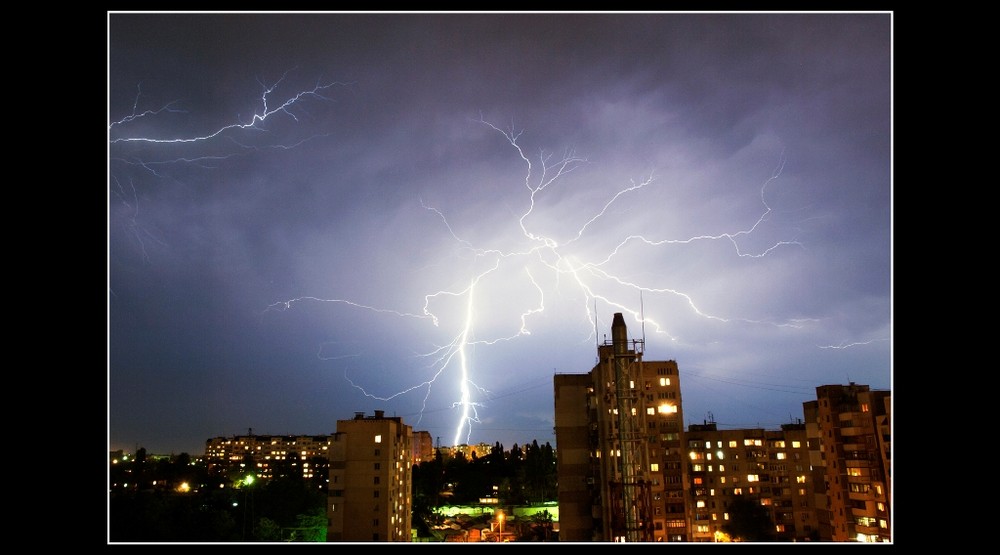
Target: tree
749 521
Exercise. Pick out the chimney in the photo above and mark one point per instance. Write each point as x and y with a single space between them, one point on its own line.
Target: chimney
619 334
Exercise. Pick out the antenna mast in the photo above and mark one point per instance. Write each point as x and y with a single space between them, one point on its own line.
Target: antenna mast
642 318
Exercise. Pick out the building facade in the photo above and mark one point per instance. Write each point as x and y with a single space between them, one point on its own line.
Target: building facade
767 467
423 446
268 456
849 430
620 438
370 492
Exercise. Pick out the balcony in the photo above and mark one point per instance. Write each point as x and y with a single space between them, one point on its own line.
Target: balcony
866 530
860 496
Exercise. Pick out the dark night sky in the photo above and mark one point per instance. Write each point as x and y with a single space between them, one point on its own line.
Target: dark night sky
315 214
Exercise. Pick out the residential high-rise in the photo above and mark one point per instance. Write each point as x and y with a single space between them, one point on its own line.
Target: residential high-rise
423 446
850 446
620 439
370 492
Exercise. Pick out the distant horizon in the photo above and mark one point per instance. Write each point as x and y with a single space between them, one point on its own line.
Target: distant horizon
506 446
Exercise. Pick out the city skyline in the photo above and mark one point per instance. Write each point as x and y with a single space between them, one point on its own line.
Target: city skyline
313 215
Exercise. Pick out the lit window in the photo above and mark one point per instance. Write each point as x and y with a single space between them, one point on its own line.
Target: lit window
800 479
650 411
667 409
664 382
796 444
378 438
655 467
781 456
700 504
722 479
697 468
718 455
753 478
722 468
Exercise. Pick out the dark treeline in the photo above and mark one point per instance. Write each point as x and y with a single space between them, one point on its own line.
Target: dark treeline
148 503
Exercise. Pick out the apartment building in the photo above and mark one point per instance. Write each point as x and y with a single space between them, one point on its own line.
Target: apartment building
849 430
423 447
619 429
267 456
767 467
370 493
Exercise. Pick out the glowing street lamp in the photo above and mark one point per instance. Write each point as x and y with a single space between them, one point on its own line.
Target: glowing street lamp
500 518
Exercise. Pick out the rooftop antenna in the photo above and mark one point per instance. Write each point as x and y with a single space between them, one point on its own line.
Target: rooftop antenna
597 335
642 319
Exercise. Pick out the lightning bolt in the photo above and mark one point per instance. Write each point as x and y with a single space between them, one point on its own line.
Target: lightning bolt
255 122
846 345
128 152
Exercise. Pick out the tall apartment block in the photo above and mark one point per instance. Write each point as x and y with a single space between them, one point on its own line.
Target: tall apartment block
370 480
619 429
768 467
848 427
423 446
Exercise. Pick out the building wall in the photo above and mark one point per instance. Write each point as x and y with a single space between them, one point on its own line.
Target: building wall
613 418
576 481
770 467
370 480
665 427
423 446
264 456
850 438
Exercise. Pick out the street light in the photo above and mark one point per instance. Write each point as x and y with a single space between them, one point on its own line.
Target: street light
500 517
